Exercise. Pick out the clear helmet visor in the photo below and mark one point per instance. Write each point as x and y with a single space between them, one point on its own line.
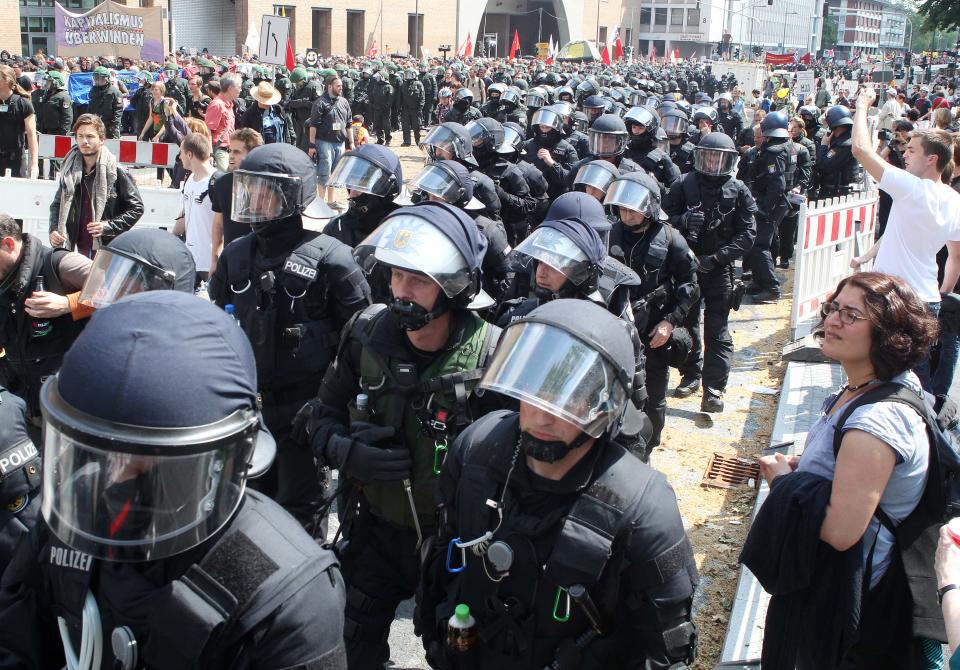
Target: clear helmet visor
552 247
434 180
446 140
535 100
637 98
596 176
606 144
511 138
557 373
121 500
547 117
264 196
713 162
358 174
114 274
630 194
674 126
641 116
413 244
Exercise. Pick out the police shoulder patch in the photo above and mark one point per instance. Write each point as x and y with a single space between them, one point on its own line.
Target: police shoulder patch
772 169
300 270
831 153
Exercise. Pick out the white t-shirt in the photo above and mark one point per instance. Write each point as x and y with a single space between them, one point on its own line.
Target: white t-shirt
924 216
198 218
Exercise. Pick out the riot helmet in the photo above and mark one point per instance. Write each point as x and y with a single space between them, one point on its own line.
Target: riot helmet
138 260
775 124
449 140
838 116
511 97
586 88
675 123
564 94
101 76
495 91
637 192
594 106
434 239
463 98
447 180
372 175
409 74
276 182
571 359
704 113
579 121
513 139
577 205
537 97
547 125
486 135
715 155
138 465
595 177
607 136
571 248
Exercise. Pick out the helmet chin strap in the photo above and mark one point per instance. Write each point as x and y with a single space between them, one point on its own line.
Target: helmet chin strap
549 451
414 317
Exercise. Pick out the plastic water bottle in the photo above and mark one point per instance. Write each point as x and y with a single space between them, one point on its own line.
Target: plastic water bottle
39 328
229 309
461 632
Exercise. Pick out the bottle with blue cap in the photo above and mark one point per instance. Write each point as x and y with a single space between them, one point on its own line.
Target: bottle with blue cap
231 312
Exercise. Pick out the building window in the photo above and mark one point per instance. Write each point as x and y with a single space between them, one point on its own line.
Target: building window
603 35
629 37
693 17
645 15
676 17
660 16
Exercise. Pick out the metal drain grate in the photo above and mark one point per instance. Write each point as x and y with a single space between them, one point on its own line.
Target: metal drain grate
729 472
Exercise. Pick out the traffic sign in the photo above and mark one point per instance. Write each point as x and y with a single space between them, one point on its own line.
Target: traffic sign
274 32
311 58
193 52
804 86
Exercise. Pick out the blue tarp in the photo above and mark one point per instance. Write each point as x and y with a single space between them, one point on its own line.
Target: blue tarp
80 83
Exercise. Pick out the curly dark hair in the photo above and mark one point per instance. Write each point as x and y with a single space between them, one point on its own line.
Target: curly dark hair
904 329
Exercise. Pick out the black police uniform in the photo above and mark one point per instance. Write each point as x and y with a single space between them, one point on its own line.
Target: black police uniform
33 355
19 475
380 559
837 169
682 156
463 116
259 595
773 176
633 559
539 191
786 236
654 161
299 107
729 123
623 163
516 203
107 103
221 202
727 233
562 153
177 89
292 292
13 140
364 213
668 292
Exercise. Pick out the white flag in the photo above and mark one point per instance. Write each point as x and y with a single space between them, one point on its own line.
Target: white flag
253 38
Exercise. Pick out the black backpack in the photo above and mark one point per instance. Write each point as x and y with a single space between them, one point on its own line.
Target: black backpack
918 534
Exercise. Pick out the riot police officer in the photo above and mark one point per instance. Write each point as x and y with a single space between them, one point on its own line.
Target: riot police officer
450 182
715 213
595 179
151 553
675 123
301 103
380 106
106 102
413 99
373 177
513 144
548 151
429 93
545 591
641 239
292 290
361 94
774 171
54 108
811 121
20 479
803 182
516 203
643 124
451 141
492 105
176 86
727 121
462 111
837 169
608 141
415 364
704 119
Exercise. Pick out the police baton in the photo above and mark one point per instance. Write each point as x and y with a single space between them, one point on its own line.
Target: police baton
579 594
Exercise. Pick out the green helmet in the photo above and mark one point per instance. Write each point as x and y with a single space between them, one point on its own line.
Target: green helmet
327 71
409 73
101 71
391 67
340 68
206 62
57 78
298 74
260 72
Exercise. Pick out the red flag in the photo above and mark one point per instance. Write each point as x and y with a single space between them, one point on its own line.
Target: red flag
806 58
619 46
291 60
515 46
373 51
467 48
605 55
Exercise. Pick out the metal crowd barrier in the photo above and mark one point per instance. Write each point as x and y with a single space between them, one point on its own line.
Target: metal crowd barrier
831 234
29 200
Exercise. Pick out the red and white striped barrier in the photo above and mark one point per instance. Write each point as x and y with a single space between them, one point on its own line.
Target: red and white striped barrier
832 233
128 152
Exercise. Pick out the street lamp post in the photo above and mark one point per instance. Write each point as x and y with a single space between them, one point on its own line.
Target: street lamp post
783 39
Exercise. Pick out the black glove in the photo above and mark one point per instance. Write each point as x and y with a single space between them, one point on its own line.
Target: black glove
706 263
692 221
358 460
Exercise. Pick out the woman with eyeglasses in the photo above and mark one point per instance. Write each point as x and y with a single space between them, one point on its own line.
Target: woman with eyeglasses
877 328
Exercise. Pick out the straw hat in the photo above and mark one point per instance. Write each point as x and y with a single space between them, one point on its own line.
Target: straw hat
266 94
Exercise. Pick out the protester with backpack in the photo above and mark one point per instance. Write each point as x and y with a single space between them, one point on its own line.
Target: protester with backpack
835 571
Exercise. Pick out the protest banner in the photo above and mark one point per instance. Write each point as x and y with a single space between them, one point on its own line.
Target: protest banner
112 30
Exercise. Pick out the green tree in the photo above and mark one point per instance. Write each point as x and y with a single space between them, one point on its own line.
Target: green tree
829 38
941 14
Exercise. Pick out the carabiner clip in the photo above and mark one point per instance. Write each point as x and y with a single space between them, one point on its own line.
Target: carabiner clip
556 606
463 556
439 455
